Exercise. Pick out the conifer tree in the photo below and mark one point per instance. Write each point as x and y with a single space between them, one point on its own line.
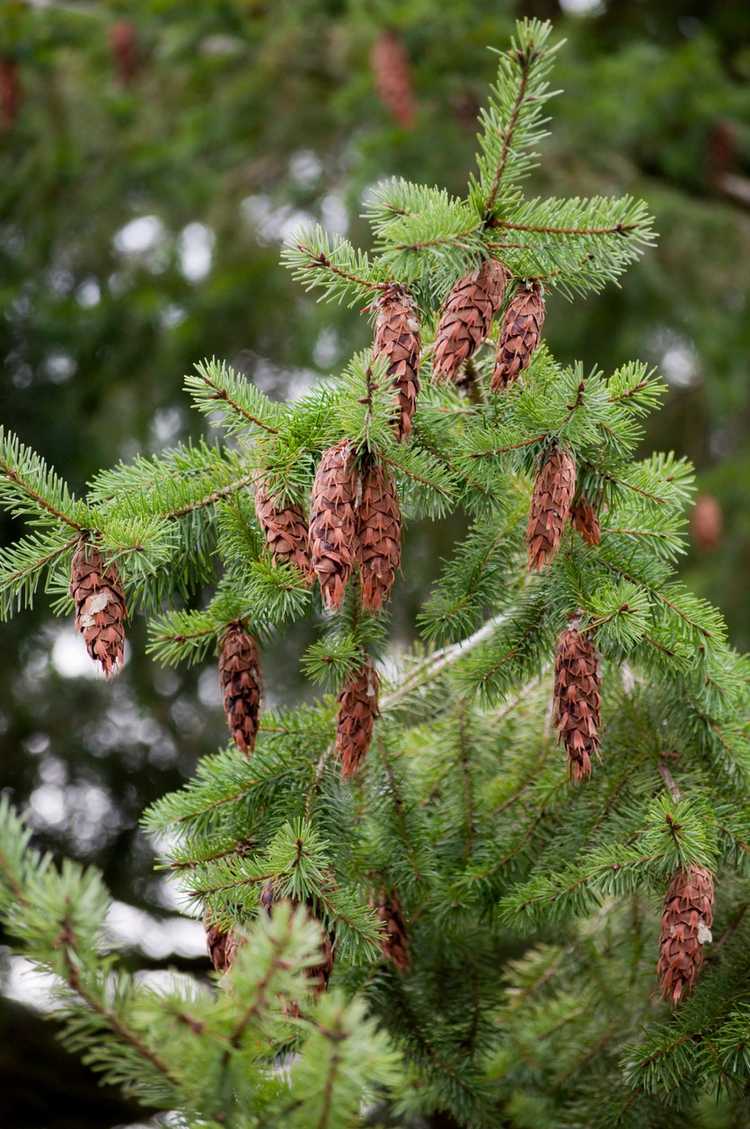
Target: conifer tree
412 911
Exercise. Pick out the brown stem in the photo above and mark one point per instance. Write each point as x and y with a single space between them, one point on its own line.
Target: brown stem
616 229
669 782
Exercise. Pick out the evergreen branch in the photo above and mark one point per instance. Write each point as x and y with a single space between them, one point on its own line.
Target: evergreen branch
434 665
341 271
212 498
280 943
513 121
28 488
66 942
525 60
215 386
23 564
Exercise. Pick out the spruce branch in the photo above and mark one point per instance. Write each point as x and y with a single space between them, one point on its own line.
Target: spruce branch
342 273
24 564
216 388
513 122
29 489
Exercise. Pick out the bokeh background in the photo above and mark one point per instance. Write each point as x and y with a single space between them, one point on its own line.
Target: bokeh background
153 157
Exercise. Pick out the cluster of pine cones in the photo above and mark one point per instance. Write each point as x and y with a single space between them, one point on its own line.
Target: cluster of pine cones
355 525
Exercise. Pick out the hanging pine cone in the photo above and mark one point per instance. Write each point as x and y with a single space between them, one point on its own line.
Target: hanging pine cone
685 927
706 523
585 519
392 72
222 947
521 333
394 942
397 338
241 685
11 94
100 607
318 974
550 507
577 700
466 317
123 42
285 530
379 535
358 708
333 522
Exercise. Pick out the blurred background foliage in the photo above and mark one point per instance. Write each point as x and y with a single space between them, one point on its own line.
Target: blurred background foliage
153 157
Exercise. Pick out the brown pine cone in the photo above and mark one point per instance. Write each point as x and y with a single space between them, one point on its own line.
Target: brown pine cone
285 530
706 523
333 522
358 708
466 318
319 974
521 332
241 685
394 942
577 700
11 93
390 66
100 607
550 507
379 534
397 338
222 947
585 519
685 927
123 42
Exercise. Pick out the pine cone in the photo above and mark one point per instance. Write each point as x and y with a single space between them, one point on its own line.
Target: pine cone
11 93
100 607
550 507
397 338
319 974
358 708
333 522
394 942
685 927
241 686
466 318
522 329
222 947
586 521
123 42
706 523
285 530
392 71
577 700
379 534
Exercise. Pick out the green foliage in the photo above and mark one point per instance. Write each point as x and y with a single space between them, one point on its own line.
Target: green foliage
462 809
